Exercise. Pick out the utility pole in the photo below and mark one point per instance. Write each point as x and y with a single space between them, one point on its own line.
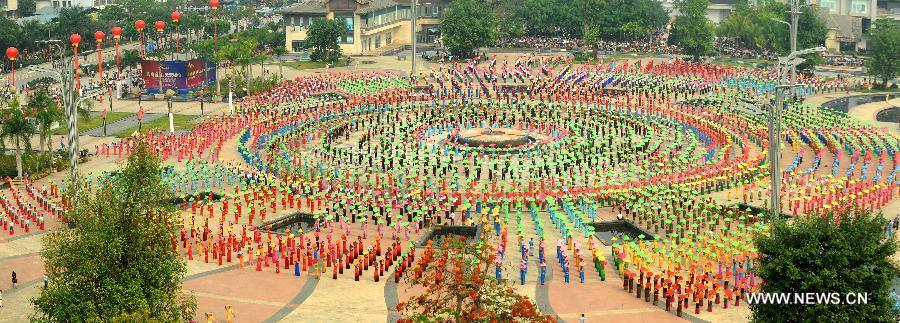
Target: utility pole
412 28
790 61
795 18
775 148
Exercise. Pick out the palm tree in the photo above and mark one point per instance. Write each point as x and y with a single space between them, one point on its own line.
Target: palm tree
46 112
16 128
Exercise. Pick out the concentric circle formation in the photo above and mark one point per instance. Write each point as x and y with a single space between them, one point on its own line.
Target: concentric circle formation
541 148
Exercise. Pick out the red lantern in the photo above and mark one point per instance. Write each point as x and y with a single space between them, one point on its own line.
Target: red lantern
214 4
176 16
75 39
99 36
12 53
160 25
139 25
117 32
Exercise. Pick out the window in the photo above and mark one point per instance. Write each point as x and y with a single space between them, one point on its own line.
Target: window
349 22
378 41
388 38
859 6
297 45
830 4
349 39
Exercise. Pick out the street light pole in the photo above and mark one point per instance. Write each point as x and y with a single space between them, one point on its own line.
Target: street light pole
775 148
795 18
790 61
412 20
169 95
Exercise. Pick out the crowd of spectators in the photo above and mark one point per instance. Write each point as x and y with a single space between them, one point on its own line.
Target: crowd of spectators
653 46
738 52
555 42
656 45
843 60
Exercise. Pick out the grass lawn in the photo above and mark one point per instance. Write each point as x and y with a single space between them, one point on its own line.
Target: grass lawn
304 65
93 122
181 121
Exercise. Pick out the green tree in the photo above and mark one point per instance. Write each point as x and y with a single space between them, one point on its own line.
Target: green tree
279 51
76 20
467 25
112 15
32 30
755 26
9 33
741 27
322 38
621 19
509 22
220 26
46 111
692 31
821 255
17 129
884 50
117 259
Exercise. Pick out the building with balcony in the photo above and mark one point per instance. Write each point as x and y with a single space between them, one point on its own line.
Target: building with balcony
373 26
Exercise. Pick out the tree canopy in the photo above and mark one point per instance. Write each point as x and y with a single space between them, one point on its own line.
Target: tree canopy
754 26
118 257
819 255
622 19
592 19
322 37
884 50
466 26
459 287
692 31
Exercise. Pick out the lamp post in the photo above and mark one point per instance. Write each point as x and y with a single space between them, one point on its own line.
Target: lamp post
103 115
117 33
75 39
414 38
139 25
791 61
160 26
792 26
176 16
98 36
201 102
214 4
12 53
169 95
412 26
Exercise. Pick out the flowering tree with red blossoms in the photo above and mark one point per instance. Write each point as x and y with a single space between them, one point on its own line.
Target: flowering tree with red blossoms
459 288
